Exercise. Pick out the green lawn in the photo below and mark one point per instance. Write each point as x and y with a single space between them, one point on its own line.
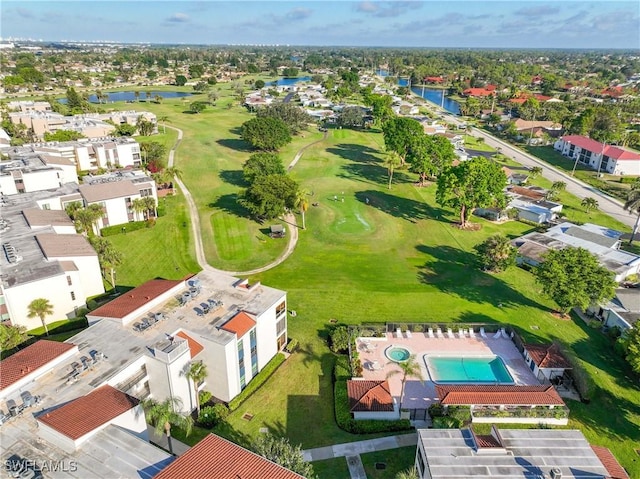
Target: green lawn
395 460
335 468
164 251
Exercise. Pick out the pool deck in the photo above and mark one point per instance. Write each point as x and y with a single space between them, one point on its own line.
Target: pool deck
420 395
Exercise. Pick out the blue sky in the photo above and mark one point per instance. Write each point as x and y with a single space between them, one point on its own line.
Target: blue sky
429 23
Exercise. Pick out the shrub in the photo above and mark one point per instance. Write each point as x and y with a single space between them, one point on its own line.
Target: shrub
204 397
583 381
341 369
293 345
436 410
446 422
339 339
257 381
212 415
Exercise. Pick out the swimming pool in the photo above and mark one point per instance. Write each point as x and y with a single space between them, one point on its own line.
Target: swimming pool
468 369
397 354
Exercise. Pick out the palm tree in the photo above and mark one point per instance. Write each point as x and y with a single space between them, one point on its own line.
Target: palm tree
408 368
589 204
163 119
197 372
391 161
535 172
163 415
108 256
148 95
41 308
158 99
137 95
556 187
150 204
138 205
86 218
302 202
632 205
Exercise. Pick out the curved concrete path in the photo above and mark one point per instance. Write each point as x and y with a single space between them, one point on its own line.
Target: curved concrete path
195 217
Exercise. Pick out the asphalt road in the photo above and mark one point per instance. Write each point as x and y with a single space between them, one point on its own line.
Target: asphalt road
606 203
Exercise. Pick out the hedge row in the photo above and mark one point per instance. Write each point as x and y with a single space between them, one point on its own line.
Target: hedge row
256 382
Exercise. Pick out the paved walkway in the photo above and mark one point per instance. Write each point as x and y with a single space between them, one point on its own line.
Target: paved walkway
360 447
289 218
606 203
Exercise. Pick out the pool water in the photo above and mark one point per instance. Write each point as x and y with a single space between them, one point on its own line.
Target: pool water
397 354
472 370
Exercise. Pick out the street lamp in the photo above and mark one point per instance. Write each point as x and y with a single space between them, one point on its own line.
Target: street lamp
573 171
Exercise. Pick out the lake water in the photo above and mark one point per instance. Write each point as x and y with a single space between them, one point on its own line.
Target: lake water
130 96
289 81
438 97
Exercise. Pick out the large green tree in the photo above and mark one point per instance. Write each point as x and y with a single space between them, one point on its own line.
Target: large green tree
351 117
476 183
573 277
291 115
163 415
280 451
630 341
63 135
430 155
40 308
266 133
262 164
269 196
12 336
399 135
496 253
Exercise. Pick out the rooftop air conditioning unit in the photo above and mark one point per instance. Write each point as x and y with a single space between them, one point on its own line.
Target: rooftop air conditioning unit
556 473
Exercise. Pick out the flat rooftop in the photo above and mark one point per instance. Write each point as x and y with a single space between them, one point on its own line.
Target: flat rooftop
21 237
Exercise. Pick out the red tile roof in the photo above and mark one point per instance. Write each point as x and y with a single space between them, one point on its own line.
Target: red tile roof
87 413
194 346
479 91
547 356
528 192
369 396
498 395
239 324
135 299
594 146
216 458
31 358
610 463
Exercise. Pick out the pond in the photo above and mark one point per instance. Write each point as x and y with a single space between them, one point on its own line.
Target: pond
438 97
130 96
289 81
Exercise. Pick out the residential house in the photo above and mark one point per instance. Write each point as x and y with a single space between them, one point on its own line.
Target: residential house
510 453
532 205
611 159
537 129
488 90
622 311
219 458
42 122
372 400
506 403
546 361
603 242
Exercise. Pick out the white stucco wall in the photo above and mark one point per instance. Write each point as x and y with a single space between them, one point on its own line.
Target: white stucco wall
169 380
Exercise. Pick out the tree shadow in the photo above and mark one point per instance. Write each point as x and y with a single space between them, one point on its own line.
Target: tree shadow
233 177
236 144
236 130
399 207
356 153
229 204
457 272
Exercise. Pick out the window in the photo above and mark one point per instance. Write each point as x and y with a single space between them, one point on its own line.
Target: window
281 308
73 296
281 326
69 282
46 206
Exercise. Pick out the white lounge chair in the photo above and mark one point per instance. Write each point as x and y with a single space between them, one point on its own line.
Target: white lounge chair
408 333
482 333
505 335
497 335
461 333
376 366
430 333
472 333
398 333
450 333
439 333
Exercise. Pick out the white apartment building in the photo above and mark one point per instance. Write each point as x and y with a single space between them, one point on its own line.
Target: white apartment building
26 106
611 159
35 172
43 257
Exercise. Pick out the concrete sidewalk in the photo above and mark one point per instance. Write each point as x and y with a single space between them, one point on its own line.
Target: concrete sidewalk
360 447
